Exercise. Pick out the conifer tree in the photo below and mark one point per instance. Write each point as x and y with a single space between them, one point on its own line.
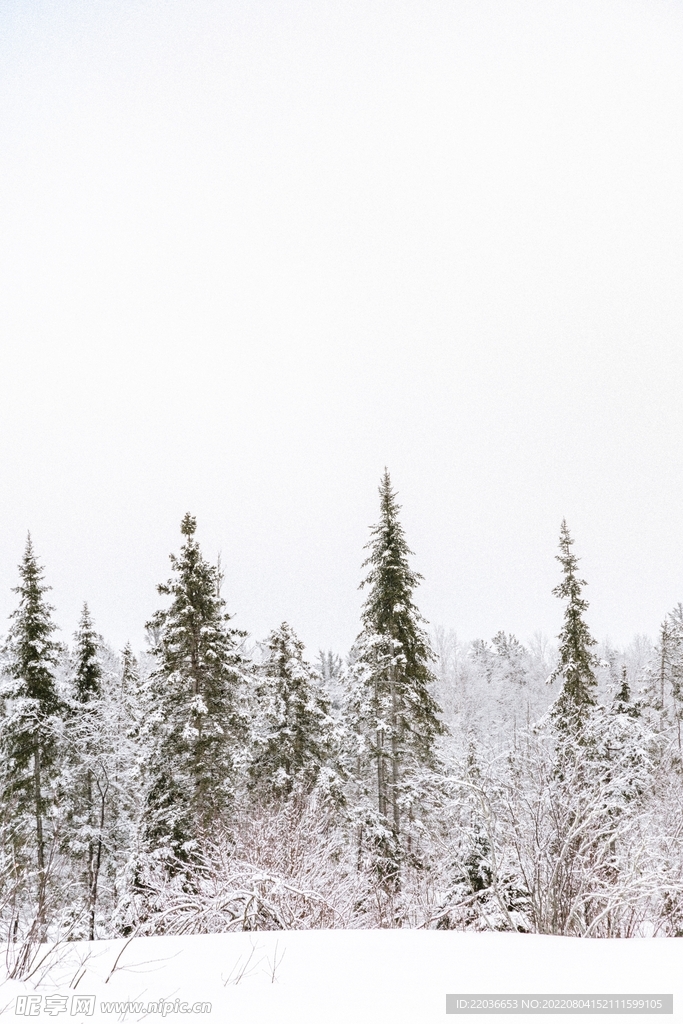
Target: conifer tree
88 674
390 704
125 700
32 727
128 696
129 710
195 719
88 784
623 703
294 732
576 658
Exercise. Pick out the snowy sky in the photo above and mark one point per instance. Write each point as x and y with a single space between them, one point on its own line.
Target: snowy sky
253 252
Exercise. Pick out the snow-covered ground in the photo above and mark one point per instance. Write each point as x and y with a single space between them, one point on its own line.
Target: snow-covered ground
321 976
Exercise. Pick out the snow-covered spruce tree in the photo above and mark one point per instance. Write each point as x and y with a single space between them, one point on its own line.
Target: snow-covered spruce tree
390 708
31 731
293 741
86 778
130 706
127 696
623 703
123 699
195 724
576 658
88 669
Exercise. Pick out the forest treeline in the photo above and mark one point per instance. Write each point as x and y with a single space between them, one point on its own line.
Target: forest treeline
212 784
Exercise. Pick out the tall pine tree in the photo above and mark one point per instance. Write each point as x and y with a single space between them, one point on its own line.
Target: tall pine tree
124 699
88 784
390 704
31 729
576 660
195 721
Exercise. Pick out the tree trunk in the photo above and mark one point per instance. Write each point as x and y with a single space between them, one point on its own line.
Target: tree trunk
395 777
395 759
40 841
381 775
96 865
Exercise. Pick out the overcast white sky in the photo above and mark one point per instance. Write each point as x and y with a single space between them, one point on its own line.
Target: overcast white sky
251 252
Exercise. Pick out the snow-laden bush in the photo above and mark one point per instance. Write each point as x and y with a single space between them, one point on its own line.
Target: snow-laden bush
281 866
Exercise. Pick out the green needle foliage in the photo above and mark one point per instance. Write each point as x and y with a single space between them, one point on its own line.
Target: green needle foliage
86 771
195 723
32 727
294 731
391 707
576 661
88 674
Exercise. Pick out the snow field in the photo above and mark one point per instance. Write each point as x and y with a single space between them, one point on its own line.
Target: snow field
351 976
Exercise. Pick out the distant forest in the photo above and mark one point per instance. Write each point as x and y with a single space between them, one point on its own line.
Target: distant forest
213 783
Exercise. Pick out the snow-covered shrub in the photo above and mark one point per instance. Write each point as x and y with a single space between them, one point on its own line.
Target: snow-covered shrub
279 866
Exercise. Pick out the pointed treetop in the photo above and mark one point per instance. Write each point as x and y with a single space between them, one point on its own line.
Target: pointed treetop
31 588
88 675
31 649
389 507
571 585
388 532
30 570
576 659
188 525
624 694
390 579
